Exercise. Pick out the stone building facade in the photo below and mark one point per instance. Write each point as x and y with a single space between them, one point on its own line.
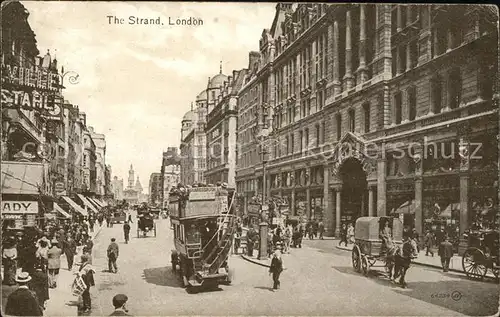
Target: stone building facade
365 102
221 130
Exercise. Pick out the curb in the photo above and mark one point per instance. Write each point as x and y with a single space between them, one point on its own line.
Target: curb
247 258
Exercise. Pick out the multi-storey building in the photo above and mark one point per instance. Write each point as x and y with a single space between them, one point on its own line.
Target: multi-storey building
100 151
367 101
221 130
170 173
89 161
155 189
108 192
117 188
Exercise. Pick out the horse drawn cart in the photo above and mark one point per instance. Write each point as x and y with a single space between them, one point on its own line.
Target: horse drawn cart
482 254
368 250
145 224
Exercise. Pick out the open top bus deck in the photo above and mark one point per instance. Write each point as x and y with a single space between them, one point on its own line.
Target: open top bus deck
202 219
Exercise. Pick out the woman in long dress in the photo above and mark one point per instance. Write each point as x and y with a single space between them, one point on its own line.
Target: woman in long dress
9 260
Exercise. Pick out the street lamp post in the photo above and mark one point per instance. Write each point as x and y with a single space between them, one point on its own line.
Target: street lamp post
263 225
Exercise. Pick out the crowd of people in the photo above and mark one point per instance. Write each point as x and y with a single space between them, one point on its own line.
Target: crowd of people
31 260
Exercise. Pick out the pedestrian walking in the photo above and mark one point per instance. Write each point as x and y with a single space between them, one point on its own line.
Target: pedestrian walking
251 239
315 227
86 272
9 261
343 234
446 253
42 254
23 301
113 252
350 233
70 251
119 303
321 229
428 239
54 263
276 268
286 239
91 224
126 231
40 285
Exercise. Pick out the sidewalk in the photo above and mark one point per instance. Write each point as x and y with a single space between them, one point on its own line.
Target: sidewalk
429 261
62 302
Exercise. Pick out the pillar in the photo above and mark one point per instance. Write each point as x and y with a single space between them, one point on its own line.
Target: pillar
328 214
399 61
464 147
419 212
381 188
370 201
337 210
399 19
348 77
308 203
449 38
362 71
336 70
293 202
408 57
268 187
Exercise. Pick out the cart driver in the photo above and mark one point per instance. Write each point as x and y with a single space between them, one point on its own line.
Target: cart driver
386 236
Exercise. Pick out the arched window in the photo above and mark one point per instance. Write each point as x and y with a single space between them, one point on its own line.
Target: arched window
436 92
366 116
398 108
454 88
352 120
412 103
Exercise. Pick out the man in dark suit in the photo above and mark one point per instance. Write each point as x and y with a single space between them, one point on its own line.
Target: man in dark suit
40 285
126 231
445 252
119 302
113 252
70 251
23 302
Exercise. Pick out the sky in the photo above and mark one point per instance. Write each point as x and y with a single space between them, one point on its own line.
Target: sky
137 81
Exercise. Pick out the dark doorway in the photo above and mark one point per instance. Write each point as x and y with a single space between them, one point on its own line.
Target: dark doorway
354 196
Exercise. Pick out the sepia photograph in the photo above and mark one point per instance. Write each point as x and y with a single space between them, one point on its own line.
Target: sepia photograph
249 159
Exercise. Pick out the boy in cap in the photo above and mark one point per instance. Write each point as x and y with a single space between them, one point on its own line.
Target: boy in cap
119 302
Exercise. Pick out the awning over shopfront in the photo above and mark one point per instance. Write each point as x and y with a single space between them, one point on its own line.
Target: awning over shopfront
447 211
24 178
87 203
95 202
102 203
61 211
407 208
75 206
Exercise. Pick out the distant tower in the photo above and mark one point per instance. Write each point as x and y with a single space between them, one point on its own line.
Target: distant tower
131 177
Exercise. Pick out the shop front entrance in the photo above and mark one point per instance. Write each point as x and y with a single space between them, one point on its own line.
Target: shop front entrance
354 190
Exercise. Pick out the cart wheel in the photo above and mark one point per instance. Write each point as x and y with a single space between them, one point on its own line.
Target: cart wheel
356 259
364 265
474 263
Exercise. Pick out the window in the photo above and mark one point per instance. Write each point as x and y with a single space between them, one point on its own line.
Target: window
366 115
398 111
301 141
323 132
318 135
292 143
436 94
352 120
213 95
412 103
319 99
454 88
338 124
306 139
287 144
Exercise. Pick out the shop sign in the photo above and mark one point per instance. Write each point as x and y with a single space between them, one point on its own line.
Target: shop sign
19 207
204 195
28 77
12 216
31 100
